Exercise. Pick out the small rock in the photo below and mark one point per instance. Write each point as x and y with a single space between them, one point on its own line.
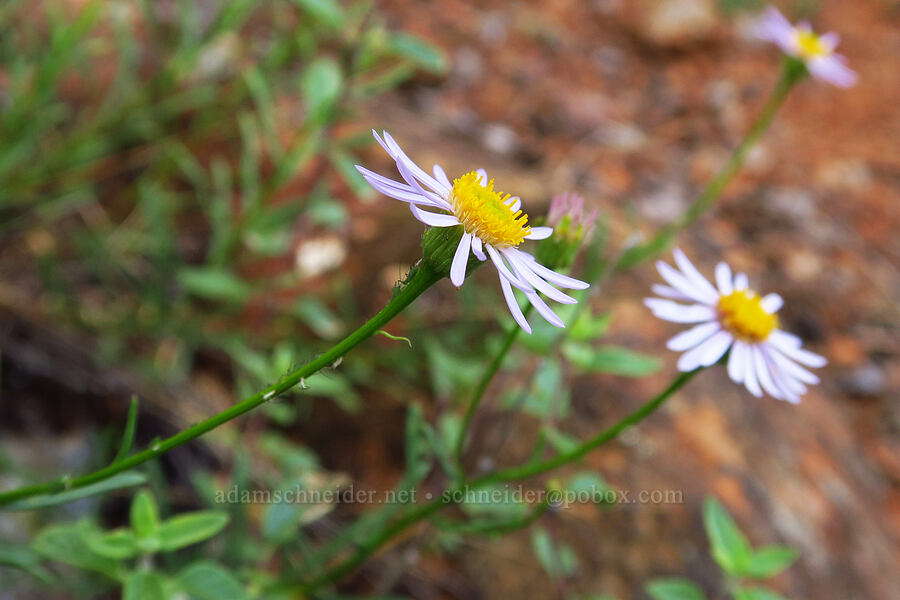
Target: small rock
316 256
665 204
848 175
469 64
794 204
866 381
500 139
673 23
622 137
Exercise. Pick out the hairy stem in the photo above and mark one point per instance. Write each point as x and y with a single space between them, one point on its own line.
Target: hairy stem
423 278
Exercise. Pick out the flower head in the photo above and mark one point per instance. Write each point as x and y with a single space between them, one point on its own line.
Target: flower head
732 316
813 50
572 226
493 225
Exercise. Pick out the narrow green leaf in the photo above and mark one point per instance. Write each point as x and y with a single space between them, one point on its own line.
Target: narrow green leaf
770 561
418 51
321 85
729 546
209 581
130 427
214 283
190 528
318 317
559 561
674 588
328 12
122 480
144 516
614 360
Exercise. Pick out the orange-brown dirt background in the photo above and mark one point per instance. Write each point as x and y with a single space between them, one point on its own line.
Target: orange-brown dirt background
592 96
636 114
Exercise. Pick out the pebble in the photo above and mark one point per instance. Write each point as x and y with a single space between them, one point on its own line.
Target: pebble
674 23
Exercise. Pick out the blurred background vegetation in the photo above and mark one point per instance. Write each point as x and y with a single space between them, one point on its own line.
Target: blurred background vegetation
180 220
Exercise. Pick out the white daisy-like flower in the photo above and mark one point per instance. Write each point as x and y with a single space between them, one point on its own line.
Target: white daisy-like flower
801 42
493 226
732 316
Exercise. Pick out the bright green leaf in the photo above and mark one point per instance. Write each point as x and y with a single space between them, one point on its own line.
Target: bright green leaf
209 581
417 50
674 588
116 544
729 546
144 516
144 585
190 528
756 593
588 327
770 561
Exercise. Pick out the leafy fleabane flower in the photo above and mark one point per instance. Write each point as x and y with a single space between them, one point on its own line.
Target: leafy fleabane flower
493 223
801 42
732 316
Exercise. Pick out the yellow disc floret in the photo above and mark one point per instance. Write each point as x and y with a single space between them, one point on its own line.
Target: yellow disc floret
741 313
485 213
810 45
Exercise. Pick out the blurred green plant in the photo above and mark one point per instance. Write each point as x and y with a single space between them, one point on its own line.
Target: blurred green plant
153 157
738 560
127 555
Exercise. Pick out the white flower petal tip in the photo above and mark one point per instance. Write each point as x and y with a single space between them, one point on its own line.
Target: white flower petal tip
731 319
817 52
493 227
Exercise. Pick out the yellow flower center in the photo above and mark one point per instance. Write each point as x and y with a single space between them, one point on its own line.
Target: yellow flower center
810 45
484 212
741 313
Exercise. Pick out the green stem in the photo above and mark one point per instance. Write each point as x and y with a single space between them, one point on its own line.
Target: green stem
791 73
529 470
516 473
423 278
363 552
481 388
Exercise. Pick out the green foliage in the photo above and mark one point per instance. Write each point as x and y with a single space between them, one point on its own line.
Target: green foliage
674 589
756 593
733 552
209 581
614 360
65 543
116 482
558 560
118 553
